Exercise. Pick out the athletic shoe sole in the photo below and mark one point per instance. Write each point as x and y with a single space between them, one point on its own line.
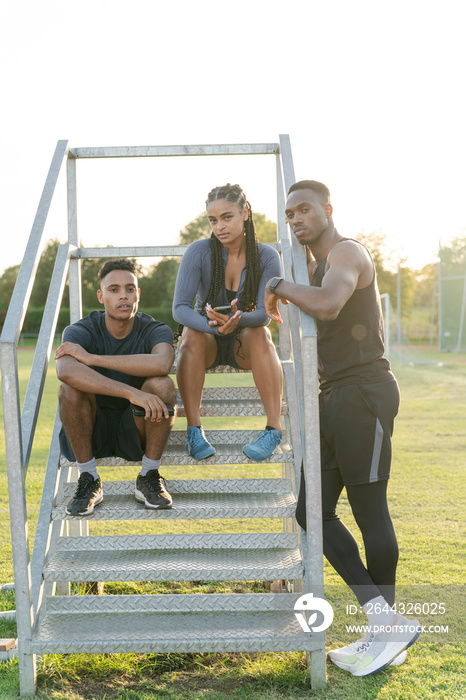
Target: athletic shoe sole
208 452
142 499
257 457
397 661
400 659
394 649
198 457
90 510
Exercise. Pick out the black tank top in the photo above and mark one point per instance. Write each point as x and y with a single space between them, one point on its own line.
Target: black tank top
351 347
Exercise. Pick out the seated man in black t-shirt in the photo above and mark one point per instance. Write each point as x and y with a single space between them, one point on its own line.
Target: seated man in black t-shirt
116 396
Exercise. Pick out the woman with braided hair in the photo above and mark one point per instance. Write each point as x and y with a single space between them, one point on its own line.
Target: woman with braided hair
229 270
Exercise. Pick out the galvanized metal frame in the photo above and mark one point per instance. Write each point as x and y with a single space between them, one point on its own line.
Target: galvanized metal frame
297 340
18 439
308 385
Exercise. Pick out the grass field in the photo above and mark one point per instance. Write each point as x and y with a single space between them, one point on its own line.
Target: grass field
427 495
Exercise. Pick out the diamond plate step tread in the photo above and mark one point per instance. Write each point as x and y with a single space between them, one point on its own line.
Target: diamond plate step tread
220 369
228 444
227 438
191 506
170 602
174 565
190 486
229 401
251 540
176 632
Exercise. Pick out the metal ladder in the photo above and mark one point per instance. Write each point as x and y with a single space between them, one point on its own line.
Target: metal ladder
49 620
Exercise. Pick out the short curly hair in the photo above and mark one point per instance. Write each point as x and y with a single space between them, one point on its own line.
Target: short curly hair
117 264
318 187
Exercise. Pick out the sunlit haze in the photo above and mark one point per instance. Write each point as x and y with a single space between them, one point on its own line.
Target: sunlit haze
369 92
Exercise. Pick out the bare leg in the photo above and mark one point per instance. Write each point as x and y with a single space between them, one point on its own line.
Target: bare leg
255 350
153 434
197 351
77 413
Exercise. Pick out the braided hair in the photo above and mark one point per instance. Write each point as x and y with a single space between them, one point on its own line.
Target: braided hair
248 298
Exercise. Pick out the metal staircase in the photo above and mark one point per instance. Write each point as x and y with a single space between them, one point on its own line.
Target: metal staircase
49 620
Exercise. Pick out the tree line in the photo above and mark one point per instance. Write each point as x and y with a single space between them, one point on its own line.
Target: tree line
157 283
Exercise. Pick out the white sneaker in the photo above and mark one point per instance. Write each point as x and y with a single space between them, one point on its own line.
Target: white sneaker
400 659
345 657
386 646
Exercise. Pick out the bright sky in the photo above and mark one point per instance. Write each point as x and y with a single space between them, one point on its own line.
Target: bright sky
370 91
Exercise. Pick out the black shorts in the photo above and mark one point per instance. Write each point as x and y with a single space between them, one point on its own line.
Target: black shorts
225 352
356 427
115 435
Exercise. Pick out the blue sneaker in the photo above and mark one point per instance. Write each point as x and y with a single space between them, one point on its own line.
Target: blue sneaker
263 446
197 445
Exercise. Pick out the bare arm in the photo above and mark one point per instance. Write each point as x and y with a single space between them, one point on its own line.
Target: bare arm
73 372
349 267
157 363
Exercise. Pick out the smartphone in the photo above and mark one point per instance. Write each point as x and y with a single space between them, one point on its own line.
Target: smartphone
138 411
223 309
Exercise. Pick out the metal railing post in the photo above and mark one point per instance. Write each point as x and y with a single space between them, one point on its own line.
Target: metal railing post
75 528
18 513
314 565
16 455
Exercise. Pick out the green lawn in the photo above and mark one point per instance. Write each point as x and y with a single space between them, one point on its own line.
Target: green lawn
427 494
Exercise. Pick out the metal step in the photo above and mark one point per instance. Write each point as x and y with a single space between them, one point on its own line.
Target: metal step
170 623
206 498
170 602
228 443
220 369
229 448
230 401
176 558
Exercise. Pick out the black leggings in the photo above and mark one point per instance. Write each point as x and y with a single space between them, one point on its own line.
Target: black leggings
370 509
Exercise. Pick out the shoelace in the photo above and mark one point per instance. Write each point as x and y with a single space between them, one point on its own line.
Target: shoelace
267 433
83 485
365 644
196 440
156 480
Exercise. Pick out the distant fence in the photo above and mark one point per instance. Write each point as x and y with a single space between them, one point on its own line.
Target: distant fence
452 310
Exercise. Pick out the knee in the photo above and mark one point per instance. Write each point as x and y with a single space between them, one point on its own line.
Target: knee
329 516
191 341
258 337
71 396
163 387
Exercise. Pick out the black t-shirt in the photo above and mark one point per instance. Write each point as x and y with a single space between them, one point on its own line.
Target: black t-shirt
92 334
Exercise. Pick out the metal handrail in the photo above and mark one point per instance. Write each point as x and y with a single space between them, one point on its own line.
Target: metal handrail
43 349
18 450
27 272
20 429
163 151
310 406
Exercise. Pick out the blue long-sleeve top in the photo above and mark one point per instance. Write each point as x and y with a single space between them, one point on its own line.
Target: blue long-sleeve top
193 282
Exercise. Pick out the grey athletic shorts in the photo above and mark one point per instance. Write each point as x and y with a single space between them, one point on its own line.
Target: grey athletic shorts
356 427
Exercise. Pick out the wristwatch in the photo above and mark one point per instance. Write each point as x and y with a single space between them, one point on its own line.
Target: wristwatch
273 283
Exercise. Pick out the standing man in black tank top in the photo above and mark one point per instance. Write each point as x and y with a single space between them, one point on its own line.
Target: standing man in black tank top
358 402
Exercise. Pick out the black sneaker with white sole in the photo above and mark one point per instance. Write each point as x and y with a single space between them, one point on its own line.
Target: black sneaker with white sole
150 490
87 495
